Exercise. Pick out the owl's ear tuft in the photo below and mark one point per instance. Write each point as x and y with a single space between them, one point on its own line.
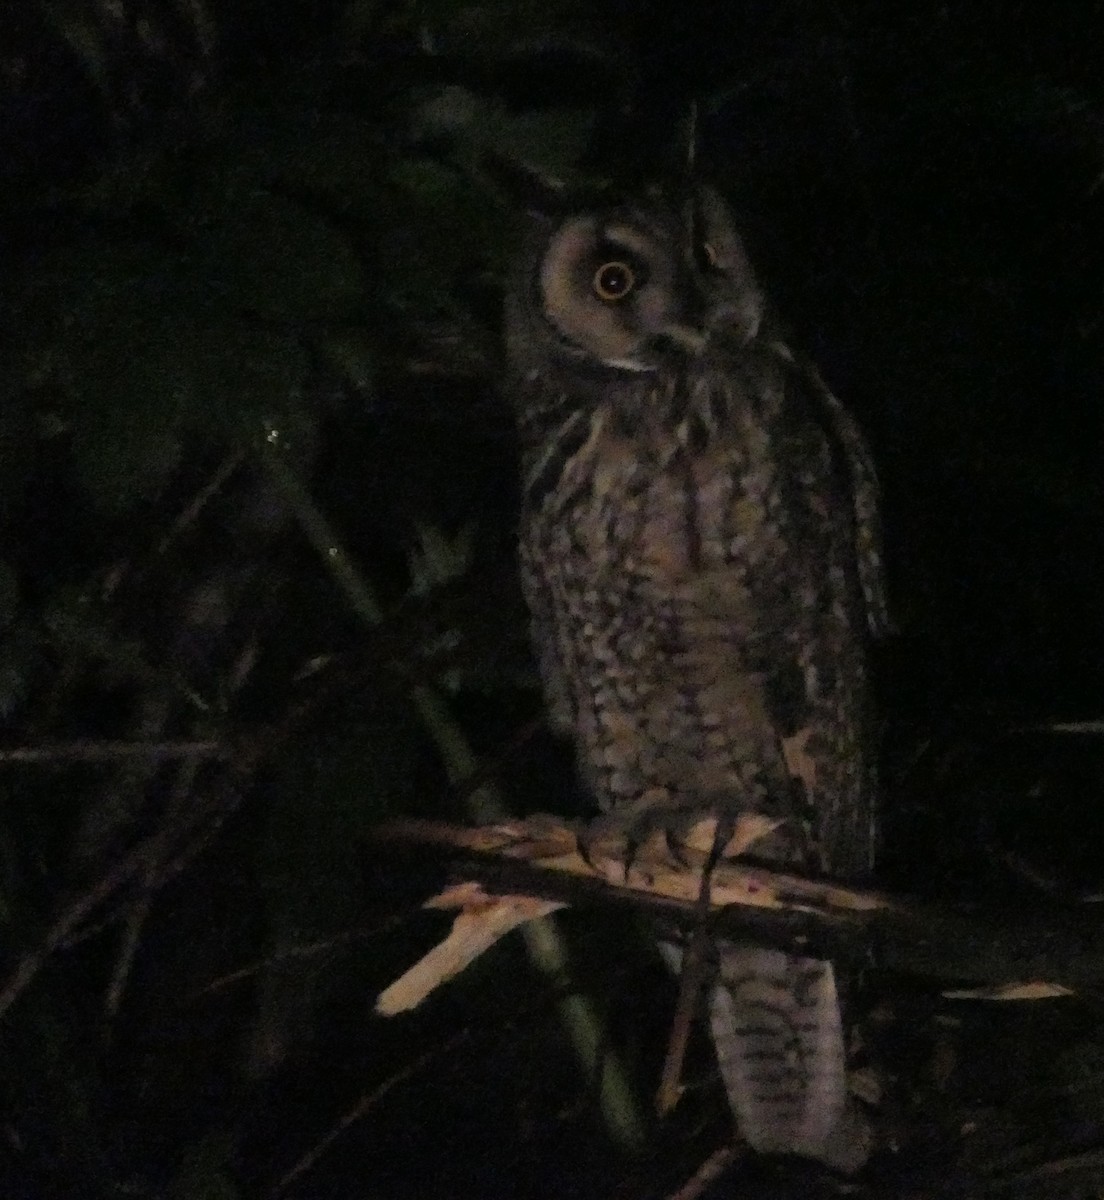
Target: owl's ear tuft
719 229
528 187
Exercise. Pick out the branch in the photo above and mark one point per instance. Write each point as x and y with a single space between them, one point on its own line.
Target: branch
1052 952
96 751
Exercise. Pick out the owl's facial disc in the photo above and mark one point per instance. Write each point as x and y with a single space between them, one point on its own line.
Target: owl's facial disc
625 288
608 285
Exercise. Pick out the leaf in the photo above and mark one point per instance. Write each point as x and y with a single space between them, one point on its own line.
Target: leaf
553 139
351 353
205 1173
449 226
126 456
275 257
100 324
436 558
330 154
245 381
86 38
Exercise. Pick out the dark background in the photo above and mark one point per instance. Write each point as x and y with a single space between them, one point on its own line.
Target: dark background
251 266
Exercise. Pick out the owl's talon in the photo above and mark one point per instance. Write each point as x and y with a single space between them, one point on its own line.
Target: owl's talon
586 838
649 833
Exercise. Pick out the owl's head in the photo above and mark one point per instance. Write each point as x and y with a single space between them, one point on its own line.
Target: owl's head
623 285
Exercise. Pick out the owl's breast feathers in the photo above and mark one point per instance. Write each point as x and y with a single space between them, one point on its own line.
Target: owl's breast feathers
692 549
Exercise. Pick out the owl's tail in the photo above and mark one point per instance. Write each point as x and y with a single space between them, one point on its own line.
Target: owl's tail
779 1037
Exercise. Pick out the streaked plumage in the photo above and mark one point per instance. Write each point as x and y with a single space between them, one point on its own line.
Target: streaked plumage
699 548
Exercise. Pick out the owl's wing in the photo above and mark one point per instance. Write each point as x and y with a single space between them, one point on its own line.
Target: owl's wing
865 493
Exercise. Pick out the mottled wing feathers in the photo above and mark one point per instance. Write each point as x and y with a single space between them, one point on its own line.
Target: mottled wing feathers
865 493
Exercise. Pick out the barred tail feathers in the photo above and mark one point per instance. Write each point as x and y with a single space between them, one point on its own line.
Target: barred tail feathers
778 1032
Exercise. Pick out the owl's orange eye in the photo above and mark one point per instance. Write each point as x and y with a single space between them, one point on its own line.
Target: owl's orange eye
613 281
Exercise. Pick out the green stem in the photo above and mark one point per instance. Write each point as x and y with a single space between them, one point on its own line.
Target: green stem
544 940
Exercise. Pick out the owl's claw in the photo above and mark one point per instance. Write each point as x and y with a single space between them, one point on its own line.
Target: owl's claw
595 832
648 831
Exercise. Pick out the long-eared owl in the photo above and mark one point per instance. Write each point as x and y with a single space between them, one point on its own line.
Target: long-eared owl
700 553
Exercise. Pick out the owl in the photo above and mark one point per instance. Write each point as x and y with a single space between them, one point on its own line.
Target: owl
700 552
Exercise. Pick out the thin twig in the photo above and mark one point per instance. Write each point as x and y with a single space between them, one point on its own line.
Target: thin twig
34 960
120 573
168 870
137 914
691 980
85 751
713 1167
363 1106
221 476
158 849
691 976
305 950
232 795
1092 1161
245 754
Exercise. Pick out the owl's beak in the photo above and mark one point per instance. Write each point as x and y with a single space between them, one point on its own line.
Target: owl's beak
724 321
685 337
739 319
717 319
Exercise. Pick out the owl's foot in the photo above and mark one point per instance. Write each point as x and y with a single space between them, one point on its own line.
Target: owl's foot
657 828
643 829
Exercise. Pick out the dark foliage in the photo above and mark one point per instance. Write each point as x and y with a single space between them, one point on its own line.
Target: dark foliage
256 565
